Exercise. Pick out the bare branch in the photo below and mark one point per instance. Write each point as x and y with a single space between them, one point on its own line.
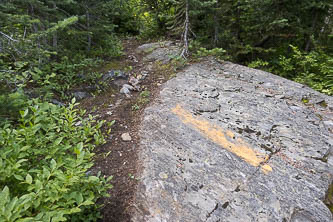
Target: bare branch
8 37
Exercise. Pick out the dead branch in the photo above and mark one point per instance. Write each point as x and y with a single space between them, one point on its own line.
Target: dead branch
8 37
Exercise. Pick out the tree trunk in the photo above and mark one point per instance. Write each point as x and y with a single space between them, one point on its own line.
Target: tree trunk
327 21
35 27
216 26
54 36
88 28
55 40
216 31
314 22
184 53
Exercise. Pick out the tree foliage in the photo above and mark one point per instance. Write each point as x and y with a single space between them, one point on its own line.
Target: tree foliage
254 30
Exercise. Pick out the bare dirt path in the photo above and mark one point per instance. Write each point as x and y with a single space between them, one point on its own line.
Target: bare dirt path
119 158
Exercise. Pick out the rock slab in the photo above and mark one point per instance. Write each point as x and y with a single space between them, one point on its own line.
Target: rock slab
225 142
161 51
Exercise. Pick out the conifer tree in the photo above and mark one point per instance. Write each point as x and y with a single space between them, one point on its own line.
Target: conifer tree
186 11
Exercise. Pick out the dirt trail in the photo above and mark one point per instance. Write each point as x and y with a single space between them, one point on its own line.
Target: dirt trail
118 158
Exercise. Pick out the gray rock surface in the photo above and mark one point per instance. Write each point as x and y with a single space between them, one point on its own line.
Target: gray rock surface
224 142
114 74
57 102
160 51
147 48
81 95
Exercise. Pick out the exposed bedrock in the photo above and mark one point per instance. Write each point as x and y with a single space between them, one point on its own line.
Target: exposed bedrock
224 142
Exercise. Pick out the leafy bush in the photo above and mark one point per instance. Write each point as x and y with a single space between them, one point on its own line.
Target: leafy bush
217 52
177 62
71 73
110 46
259 64
44 163
55 77
11 103
314 69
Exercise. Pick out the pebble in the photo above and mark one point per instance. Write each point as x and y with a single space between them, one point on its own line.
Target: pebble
145 73
140 77
126 137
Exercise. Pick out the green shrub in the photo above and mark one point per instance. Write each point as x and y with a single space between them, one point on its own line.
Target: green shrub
198 51
44 163
71 73
217 52
145 94
259 64
110 46
10 104
314 69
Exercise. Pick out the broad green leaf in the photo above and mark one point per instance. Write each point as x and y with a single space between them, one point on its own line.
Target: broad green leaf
53 164
25 113
46 173
79 198
10 207
58 141
4 196
28 219
87 202
19 177
75 210
39 185
28 179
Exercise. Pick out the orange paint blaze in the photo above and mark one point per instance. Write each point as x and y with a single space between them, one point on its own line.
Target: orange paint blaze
224 139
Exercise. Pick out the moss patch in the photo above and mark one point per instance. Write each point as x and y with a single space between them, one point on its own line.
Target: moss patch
117 64
329 198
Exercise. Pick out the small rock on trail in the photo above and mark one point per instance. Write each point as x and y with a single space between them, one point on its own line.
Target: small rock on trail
126 137
80 95
113 75
126 89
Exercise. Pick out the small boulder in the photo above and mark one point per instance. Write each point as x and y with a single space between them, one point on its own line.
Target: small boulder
81 95
57 102
134 81
114 74
126 89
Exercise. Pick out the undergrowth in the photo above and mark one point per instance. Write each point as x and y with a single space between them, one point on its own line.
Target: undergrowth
314 69
45 157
